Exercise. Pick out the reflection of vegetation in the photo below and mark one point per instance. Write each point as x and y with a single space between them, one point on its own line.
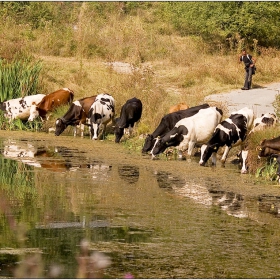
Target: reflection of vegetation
17 178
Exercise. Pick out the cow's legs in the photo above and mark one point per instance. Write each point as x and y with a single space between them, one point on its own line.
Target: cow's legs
102 132
130 130
82 126
214 159
244 155
225 154
190 148
180 154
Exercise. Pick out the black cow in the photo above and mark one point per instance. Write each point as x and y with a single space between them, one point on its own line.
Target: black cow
131 113
167 123
230 132
76 115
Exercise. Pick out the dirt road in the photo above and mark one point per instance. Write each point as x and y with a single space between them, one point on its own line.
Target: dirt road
259 99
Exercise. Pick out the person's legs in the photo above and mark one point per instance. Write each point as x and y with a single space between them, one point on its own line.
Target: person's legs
250 77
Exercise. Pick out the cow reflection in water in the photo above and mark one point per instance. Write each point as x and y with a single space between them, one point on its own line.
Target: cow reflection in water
230 202
99 170
24 152
59 159
169 182
129 173
49 161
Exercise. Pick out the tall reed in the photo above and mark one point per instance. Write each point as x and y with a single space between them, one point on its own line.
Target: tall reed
19 78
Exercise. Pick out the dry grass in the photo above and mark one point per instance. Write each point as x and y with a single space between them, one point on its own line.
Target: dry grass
173 69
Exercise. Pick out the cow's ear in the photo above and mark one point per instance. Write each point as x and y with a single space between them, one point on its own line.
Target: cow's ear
262 115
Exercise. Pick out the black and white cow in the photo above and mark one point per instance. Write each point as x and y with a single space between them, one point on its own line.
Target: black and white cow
76 115
167 123
131 113
101 112
229 133
190 131
19 108
266 120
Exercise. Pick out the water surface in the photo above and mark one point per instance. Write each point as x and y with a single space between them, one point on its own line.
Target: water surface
152 221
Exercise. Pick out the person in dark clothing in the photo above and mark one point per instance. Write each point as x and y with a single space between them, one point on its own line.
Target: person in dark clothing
249 63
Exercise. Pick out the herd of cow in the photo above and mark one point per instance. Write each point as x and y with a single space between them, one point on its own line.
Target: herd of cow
182 127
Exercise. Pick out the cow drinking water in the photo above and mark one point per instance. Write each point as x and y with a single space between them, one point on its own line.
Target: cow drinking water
50 102
167 123
76 115
230 132
190 131
131 113
101 112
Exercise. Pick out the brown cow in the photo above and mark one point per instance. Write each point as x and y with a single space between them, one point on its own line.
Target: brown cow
50 102
178 107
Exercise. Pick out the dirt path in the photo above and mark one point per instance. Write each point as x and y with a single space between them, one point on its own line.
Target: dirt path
259 99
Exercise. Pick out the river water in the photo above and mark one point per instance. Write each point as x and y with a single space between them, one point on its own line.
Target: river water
150 219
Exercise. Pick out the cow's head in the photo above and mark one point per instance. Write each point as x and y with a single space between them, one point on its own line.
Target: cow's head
33 112
159 147
119 131
149 142
60 126
206 152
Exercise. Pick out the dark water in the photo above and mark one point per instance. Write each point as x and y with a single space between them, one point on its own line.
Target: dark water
150 222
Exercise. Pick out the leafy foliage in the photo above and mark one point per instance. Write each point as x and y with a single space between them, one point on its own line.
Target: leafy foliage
219 23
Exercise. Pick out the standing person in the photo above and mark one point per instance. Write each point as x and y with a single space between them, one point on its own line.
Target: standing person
250 68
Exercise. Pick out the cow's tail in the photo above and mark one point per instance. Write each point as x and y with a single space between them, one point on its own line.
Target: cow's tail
71 95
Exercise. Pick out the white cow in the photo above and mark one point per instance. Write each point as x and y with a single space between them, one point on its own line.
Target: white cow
19 108
101 112
190 131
